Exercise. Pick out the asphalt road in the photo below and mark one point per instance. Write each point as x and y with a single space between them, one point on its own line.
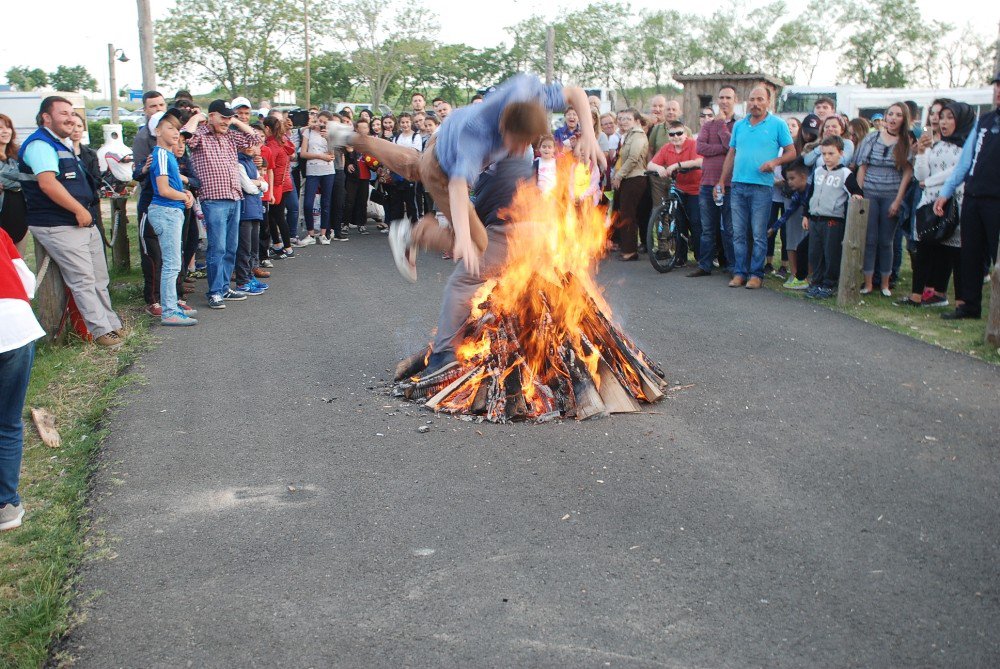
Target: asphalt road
825 494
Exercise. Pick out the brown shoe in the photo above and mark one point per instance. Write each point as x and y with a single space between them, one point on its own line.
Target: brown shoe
754 283
109 341
261 273
736 282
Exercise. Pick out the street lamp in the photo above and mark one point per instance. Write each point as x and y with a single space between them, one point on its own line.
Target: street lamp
113 55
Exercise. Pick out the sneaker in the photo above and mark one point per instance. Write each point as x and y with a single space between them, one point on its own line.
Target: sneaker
274 253
796 284
935 300
698 272
10 516
886 292
215 302
768 268
186 308
286 253
250 289
781 273
402 253
178 318
109 341
234 295
340 135
322 239
154 309
267 264
341 238
200 265
308 241
824 293
260 284
811 292
363 230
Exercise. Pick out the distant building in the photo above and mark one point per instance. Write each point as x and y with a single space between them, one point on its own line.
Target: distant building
700 90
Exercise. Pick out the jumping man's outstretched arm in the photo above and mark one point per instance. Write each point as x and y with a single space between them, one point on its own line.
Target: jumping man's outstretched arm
587 150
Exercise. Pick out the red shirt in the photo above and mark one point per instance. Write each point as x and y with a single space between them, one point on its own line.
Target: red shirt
279 165
687 182
265 153
11 286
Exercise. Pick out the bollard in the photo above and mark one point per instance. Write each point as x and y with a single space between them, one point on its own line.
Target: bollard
849 289
993 319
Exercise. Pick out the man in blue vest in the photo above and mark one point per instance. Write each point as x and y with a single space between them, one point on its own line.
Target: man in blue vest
60 196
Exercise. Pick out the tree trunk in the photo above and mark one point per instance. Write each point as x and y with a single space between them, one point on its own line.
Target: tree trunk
50 294
848 292
120 256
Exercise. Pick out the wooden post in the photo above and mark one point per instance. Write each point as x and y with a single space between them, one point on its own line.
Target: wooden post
50 294
120 257
849 290
993 320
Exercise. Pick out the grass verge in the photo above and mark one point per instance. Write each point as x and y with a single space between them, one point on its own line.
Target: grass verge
925 323
78 383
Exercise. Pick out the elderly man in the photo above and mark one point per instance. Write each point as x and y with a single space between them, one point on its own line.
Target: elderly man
761 141
213 148
60 199
657 136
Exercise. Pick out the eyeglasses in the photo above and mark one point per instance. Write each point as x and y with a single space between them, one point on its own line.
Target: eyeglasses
679 133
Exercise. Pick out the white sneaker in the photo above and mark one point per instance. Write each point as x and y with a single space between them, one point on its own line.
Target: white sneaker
306 241
402 253
340 135
10 516
322 240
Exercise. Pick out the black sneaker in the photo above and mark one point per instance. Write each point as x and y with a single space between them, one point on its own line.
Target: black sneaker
340 238
768 268
936 301
233 295
959 314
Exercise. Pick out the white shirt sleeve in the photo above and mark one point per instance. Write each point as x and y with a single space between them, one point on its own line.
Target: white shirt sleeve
27 277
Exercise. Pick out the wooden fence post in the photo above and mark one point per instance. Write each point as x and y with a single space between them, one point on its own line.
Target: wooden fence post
118 228
849 289
993 321
50 293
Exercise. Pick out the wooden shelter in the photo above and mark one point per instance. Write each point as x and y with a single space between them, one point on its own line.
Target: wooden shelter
700 90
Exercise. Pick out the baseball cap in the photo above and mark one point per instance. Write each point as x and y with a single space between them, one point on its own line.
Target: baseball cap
996 78
220 107
877 117
811 121
240 102
155 119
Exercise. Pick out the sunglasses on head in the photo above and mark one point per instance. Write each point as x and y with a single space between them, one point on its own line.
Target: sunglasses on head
679 133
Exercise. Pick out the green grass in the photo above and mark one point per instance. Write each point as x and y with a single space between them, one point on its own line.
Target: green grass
926 324
78 383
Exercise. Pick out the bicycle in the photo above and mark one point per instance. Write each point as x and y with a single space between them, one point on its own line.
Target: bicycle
664 234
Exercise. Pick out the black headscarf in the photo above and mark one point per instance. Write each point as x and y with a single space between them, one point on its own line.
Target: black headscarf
965 118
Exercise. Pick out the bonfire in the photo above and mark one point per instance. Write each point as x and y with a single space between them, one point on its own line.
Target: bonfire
540 342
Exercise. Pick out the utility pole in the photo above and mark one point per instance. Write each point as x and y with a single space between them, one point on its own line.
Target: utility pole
996 57
305 12
146 45
113 86
550 53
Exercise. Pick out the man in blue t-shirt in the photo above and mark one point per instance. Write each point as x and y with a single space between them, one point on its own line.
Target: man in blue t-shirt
760 143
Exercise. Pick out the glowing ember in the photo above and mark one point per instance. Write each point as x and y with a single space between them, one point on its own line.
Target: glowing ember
540 342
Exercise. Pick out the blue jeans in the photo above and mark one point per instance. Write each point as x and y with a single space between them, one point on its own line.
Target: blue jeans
751 207
15 370
879 236
323 183
290 202
222 225
714 218
167 223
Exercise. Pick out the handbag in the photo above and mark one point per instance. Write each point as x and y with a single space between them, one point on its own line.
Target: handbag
934 228
378 195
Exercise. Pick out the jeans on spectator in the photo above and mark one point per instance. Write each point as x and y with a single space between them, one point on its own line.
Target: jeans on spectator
777 209
290 201
168 222
336 220
878 238
690 226
751 205
15 370
714 218
222 223
324 184
246 253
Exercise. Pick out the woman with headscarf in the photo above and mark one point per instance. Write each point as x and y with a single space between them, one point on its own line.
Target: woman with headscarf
934 261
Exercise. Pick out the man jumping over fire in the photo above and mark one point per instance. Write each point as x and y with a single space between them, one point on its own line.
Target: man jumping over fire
494 136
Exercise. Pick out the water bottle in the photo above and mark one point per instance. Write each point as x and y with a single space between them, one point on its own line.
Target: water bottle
718 196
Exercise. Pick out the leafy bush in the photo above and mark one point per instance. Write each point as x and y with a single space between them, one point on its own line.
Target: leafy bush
96 130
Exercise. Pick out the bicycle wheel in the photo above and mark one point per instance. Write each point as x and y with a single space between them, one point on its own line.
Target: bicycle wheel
661 240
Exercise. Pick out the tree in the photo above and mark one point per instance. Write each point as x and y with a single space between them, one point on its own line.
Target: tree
74 78
332 78
884 40
963 57
25 79
667 44
384 40
233 44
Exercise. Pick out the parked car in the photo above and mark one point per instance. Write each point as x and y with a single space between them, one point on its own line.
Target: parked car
98 113
358 106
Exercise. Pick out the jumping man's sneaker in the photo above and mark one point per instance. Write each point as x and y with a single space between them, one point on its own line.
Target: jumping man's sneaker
10 516
340 135
404 255
215 302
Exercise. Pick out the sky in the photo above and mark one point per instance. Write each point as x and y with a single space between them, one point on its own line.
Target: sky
87 44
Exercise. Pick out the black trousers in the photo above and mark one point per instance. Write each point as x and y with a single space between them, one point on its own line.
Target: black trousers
825 240
980 235
279 226
356 205
402 202
336 221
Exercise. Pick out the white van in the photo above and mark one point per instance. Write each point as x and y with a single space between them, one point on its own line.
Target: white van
860 101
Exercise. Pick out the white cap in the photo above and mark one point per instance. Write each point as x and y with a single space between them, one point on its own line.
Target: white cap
240 102
154 121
